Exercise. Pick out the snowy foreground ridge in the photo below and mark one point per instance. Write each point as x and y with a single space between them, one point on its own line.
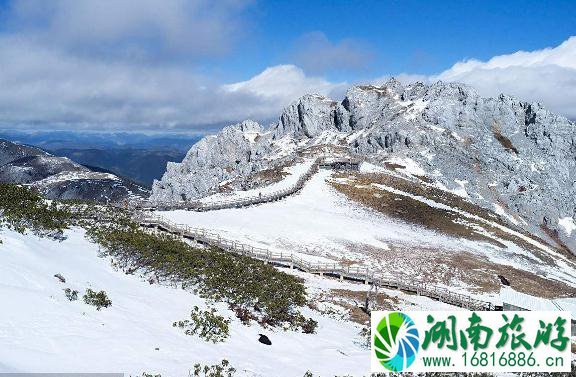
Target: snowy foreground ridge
41 331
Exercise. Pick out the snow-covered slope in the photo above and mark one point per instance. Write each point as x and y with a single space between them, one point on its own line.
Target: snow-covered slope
41 331
60 177
503 154
319 223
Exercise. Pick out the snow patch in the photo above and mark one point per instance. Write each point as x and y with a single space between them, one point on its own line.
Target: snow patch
413 108
568 224
411 167
500 211
461 190
41 331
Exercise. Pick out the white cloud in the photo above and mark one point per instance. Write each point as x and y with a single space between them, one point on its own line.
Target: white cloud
547 76
148 29
284 83
126 64
45 86
277 86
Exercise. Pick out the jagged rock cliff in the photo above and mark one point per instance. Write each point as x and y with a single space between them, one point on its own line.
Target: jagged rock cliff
501 153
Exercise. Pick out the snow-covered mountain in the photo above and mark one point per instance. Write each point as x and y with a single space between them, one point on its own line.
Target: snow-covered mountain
60 177
510 157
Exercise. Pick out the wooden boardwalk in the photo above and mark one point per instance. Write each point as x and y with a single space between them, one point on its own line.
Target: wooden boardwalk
287 259
234 203
290 260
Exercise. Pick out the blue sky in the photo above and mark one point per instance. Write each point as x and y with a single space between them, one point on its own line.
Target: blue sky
404 36
197 65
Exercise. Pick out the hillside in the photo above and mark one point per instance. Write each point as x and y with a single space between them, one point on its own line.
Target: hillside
151 283
44 332
321 223
468 193
61 178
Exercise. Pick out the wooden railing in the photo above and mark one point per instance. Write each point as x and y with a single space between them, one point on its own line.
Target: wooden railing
288 259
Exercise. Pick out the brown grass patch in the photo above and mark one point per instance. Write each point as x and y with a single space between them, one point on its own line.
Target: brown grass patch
407 209
457 267
553 234
360 189
503 140
344 297
478 270
393 166
267 176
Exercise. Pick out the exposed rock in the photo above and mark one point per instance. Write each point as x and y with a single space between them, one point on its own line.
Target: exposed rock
237 150
264 340
512 157
307 117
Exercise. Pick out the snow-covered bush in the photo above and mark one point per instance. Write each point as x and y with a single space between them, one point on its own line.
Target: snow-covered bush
206 324
71 295
98 299
217 370
23 209
274 297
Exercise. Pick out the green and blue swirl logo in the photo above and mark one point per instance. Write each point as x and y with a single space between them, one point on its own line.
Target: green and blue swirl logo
396 341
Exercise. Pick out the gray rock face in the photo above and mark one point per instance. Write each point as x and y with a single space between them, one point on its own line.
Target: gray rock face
307 117
502 153
235 151
61 178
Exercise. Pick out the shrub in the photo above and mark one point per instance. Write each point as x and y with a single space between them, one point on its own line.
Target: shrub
366 336
24 209
215 274
71 295
243 314
217 370
309 326
98 299
206 324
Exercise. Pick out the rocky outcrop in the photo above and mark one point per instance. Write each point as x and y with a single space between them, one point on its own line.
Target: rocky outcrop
61 178
506 155
307 117
237 150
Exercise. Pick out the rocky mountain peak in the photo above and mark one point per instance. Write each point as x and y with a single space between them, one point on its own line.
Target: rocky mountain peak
513 156
306 117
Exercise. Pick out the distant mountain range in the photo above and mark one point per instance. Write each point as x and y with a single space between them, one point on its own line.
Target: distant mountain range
137 156
140 165
52 140
61 178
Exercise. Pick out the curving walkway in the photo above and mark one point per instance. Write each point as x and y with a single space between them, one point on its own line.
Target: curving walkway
245 202
287 259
